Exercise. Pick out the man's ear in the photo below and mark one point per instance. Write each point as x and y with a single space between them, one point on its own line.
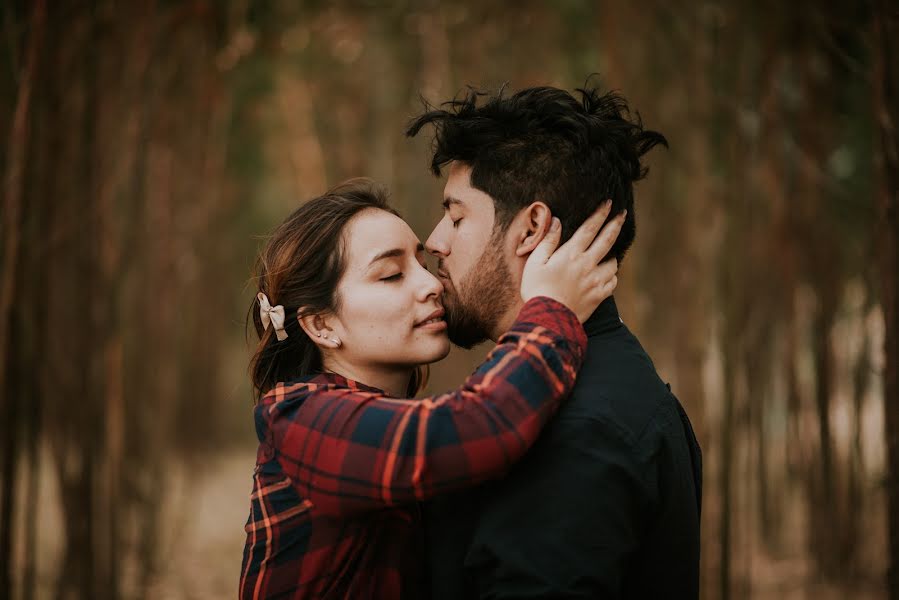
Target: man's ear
536 220
319 331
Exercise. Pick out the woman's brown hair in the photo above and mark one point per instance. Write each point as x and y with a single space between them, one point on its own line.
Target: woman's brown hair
299 268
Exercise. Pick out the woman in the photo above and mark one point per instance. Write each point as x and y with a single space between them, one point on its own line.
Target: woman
347 314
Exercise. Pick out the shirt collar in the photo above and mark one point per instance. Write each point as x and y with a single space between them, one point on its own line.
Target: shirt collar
604 319
330 378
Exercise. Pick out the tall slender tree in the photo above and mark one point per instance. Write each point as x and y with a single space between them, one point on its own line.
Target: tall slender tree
885 77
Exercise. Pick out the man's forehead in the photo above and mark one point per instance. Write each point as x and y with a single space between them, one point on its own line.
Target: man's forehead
467 198
458 192
458 178
457 168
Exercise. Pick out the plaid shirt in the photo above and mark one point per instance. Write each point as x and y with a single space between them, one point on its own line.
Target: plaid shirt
341 466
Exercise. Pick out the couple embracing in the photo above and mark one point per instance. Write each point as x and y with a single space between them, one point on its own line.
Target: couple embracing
562 467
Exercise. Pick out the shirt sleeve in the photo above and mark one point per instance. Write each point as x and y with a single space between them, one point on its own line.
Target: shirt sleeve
349 450
566 521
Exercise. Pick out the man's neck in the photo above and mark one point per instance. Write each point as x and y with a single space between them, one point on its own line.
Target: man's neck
505 323
394 381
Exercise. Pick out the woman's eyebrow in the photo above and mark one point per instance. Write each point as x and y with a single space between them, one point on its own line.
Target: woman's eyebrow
394 252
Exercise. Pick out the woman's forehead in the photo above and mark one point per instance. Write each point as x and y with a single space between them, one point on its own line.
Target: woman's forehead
373 233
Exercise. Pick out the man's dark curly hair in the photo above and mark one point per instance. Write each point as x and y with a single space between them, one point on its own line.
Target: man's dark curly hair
543 144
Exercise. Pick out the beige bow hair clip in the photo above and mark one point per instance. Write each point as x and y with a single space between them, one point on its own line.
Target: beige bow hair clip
271 315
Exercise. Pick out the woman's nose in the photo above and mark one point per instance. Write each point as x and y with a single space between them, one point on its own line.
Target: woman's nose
431 286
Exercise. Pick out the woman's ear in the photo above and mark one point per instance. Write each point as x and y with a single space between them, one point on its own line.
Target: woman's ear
319 331
536 221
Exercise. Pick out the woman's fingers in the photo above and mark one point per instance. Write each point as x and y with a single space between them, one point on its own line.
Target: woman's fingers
606 238
610 286
605 278
548 244
586 233
605 271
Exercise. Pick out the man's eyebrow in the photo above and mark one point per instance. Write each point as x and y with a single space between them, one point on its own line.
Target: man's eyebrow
450 200
394 252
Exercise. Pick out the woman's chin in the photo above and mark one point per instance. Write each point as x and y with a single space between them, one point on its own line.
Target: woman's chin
439 351
421 351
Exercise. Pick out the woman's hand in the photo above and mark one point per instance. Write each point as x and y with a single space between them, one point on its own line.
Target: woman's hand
572 273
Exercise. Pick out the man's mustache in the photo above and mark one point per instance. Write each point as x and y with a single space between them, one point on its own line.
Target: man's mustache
441 270
449 286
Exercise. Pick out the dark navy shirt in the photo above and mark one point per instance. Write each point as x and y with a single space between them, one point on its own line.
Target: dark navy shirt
605 505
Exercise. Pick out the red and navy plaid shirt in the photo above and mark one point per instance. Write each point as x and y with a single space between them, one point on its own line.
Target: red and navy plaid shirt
341 466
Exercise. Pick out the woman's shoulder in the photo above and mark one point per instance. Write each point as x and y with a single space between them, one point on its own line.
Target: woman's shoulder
297 400
300 388
316 384
299 404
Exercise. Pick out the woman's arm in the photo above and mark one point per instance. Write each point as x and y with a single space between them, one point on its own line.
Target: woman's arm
349 450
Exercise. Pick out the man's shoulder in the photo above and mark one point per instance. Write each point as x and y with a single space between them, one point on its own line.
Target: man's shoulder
618 390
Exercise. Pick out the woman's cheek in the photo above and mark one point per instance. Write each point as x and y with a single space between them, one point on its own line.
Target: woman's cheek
383 313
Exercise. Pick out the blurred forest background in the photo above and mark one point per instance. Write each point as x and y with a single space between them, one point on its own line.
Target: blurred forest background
146 145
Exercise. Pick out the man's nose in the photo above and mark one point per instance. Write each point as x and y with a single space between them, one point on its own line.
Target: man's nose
436 243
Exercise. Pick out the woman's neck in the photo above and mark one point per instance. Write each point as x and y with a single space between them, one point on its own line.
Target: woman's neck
393 381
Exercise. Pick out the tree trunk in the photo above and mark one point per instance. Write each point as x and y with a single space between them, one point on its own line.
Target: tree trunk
724 478
11 426
758 364
78 422
823 495
856 471
886 98
13 188
13 191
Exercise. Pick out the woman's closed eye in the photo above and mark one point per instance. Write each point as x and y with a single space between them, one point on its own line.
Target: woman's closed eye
395 277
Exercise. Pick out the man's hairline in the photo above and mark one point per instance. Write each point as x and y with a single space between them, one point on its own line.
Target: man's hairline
500 227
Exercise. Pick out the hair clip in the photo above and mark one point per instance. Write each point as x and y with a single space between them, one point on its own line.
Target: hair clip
271 315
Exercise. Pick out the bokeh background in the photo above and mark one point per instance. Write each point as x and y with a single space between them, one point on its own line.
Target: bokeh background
147 147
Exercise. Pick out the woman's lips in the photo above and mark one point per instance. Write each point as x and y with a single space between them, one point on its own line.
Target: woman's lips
433 325
433 322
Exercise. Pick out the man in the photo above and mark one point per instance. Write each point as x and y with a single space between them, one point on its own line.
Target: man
606 504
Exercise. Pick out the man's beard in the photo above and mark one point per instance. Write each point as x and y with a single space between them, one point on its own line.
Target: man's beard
483 297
